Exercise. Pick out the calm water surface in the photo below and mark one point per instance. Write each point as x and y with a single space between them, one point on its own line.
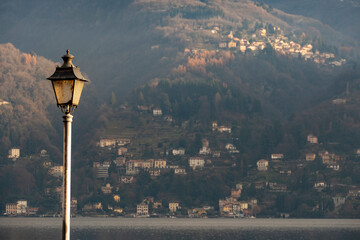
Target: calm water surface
17 228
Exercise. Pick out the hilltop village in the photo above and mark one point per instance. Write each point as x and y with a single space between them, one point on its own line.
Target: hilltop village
263 192
267 39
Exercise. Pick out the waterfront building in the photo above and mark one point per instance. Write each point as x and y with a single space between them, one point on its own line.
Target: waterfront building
14 153
142 209
174 206
262 165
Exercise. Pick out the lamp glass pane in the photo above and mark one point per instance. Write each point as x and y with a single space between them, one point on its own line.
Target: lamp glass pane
63 91
77 91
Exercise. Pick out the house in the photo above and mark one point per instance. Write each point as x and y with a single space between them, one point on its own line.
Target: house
196 162
160 163
262 165
197 212
325 157
312 139
122 151
14 153
106 163
231 148
338 201
107 189
354 193
277 156
11 209
116 198
214 126
339 101
285 172
205 142
216 154
168 118
236 193
358 152
96 164
43 153
113 142
330 158
227 208
253 48
142 209
107 142
157 205
18 208
230 206
307 47
242 48
123 141
118 210
32 211
222 45
92 207
180 171
205 151
148 200
157 112
319 186
133 166
149 163
253 202
310 156
224 129
47 164
208 208
178 152
333 166
2 102
102 171
120 161
262 32
56 171
155 172
240 206
127 179
174 206
232 44
73 205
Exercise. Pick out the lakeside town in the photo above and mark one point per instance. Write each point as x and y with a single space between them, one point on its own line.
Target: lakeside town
269 179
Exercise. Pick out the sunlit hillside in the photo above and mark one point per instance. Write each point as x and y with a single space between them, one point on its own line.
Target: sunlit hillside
24 118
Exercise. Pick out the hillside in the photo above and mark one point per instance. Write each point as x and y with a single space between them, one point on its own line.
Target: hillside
24 120
131 42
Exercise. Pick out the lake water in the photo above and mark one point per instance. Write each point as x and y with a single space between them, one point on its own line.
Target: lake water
86 228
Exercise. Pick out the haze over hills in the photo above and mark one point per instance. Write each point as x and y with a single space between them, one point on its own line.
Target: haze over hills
342 15
112 40
124 45
273 77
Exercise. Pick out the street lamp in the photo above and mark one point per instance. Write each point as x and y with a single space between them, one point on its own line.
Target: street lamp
67 82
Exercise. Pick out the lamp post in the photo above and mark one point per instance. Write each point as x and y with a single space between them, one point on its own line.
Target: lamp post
67 82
